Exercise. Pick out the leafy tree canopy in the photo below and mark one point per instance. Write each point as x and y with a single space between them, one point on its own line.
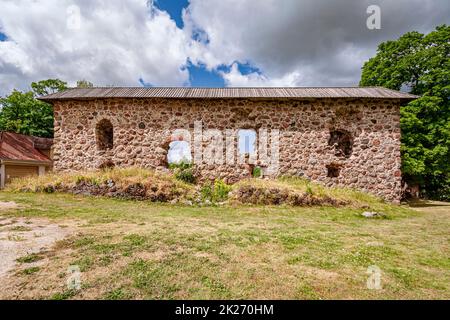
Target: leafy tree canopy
49 86
21 112
419 64
84 84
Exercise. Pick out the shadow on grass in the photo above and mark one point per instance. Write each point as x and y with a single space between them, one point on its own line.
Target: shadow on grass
421 203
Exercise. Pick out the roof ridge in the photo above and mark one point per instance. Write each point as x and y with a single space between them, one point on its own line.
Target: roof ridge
228 92
181 87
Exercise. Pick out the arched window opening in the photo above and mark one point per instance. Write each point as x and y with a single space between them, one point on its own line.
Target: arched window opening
104 132
342 142
179 152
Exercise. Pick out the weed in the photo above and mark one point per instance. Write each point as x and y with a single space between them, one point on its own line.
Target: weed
216 192
216 286
33 257
64 295
221 191
206 192
257 172
135 240
309 190
14 237
84 263
31 270
21 228
183 171
148 276
117 294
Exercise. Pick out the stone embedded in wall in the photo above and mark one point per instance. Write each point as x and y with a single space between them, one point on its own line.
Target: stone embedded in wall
142 129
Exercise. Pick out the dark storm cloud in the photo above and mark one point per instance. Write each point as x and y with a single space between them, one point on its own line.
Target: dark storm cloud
326 41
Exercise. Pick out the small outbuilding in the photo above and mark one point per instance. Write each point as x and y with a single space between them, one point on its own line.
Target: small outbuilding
22 155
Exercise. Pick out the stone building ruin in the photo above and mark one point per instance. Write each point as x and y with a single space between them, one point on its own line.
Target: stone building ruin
336 136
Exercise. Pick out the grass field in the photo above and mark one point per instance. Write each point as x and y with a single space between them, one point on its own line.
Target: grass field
142 250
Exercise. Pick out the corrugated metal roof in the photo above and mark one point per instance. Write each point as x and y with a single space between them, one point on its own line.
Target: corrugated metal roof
19 147
208 93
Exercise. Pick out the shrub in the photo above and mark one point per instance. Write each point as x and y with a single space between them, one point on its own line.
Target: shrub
257 172
183 171
186 175
215 192
206 192
221 190
180 165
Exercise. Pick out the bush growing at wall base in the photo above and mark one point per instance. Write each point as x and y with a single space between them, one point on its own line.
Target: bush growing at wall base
183 171
215 192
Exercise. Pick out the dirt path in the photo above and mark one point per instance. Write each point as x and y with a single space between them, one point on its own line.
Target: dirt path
8 205
23 236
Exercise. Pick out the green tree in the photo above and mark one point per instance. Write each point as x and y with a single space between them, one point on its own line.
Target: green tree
45 87
420 64
21 112
84 84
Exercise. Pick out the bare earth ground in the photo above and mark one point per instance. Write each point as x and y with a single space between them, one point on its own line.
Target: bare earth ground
25 236
136 250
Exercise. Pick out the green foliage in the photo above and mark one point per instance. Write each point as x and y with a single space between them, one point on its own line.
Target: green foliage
32 257
183 171
221 190
186 175
420 63
117 294
215 192
22 113
183 165
257 172
206 192
309 190
45 87
84 84
63 295
31 270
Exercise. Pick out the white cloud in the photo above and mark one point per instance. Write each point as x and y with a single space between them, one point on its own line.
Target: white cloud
305 42
255 79
179 151
117 43
292 43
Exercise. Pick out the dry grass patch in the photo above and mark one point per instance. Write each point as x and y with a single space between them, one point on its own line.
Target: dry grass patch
298 192
145 184
124 183
142 250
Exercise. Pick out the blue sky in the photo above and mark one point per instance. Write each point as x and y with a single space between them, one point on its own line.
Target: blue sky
199 75
247 141
174 8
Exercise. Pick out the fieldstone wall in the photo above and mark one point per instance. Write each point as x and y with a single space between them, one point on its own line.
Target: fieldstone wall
310 133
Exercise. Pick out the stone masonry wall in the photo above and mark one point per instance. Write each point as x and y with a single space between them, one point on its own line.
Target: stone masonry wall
142 130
